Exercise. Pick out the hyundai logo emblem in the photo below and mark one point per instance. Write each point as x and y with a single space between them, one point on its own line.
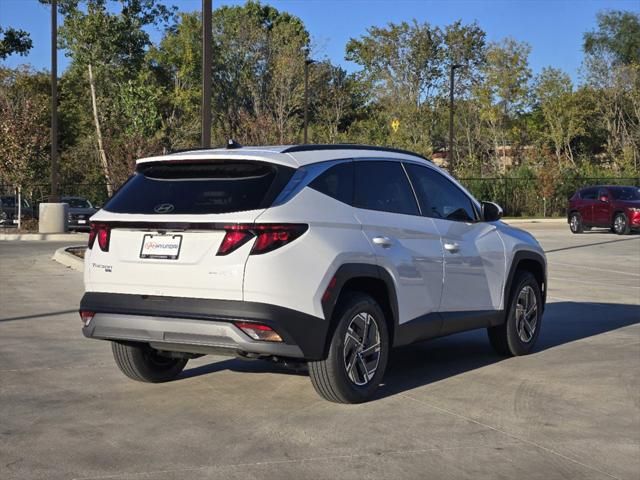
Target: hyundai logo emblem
163 208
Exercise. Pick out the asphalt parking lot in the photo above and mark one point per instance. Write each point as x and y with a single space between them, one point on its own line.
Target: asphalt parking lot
450 408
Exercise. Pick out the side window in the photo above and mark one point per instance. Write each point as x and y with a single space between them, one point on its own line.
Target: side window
439 197
337 182
383 186
589 194
603 192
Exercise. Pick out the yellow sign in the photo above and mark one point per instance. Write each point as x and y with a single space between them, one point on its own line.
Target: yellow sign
395 124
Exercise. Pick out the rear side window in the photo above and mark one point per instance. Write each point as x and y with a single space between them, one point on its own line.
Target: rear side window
589 194
383 186
439 197
200 188
337 182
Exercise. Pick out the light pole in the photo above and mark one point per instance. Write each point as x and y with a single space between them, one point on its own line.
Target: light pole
55 174
307 62
206 74
451 79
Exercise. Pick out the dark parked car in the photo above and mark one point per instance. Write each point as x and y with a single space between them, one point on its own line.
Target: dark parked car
614 207
80 211
9 210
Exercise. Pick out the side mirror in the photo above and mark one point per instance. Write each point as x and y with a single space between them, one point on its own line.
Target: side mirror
604 198
491 212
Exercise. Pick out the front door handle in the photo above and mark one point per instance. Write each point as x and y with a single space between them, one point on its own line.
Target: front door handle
451 247
384 242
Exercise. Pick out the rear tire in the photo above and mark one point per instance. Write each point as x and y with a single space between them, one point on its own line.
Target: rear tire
575 223
142 363
358 352
520 331
621 224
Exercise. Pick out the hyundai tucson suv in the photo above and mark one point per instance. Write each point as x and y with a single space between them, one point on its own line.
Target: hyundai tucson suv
613 207
329 255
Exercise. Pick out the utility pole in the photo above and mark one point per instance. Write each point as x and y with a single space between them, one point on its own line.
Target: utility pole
55 165
307 62
451 80
206 73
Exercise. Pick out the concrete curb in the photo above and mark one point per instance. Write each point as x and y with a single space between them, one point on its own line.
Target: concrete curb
68 259
52 237
534 220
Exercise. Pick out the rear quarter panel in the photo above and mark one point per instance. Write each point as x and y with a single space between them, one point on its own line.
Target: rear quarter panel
296 275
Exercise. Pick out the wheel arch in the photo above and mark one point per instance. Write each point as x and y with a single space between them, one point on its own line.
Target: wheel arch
531 262
365 278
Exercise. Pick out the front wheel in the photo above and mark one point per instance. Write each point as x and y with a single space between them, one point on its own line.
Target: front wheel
575 223
621 224
358 352
521 329
142 363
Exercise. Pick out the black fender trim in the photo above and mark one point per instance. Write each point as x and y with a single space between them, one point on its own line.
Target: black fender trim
517 258
351 271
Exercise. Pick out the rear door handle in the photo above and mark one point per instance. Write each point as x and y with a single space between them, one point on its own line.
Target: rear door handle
384 242
451 247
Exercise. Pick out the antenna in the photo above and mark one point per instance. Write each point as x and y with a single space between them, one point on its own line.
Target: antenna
232 144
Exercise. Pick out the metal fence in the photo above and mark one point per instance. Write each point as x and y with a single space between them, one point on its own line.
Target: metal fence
517 196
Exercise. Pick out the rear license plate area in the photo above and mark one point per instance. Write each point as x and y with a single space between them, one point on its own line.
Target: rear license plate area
166 247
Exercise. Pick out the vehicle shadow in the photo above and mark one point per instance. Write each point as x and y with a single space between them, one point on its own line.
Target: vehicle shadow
428 362
563 322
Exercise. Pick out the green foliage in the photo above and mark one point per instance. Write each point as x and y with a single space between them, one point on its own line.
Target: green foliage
24 132
618 36
14 41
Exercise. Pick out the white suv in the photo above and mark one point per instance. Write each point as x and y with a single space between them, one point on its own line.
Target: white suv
324 254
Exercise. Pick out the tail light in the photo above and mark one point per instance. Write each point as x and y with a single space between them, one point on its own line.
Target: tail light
86 316
268 236
102 232
259 331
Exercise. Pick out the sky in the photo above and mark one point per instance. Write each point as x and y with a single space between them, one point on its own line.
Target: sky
553 28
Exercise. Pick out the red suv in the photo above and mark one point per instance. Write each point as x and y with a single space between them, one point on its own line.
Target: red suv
614 207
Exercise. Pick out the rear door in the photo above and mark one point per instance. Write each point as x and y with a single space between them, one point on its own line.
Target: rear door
602 211
406 244
166 225
474 261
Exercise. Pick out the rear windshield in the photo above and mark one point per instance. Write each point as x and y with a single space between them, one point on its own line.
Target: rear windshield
200 188
77 202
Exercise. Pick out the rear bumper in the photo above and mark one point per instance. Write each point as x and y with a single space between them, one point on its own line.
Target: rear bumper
200 325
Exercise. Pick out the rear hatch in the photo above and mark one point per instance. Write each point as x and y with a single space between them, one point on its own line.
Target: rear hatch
168 230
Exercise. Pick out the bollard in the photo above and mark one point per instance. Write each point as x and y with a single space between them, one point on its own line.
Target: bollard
53 217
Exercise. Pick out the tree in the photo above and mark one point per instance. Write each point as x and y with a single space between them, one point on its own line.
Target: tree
402 61
612 65
465 48
505 92
617 36
560 110
24 119
14 41
101 42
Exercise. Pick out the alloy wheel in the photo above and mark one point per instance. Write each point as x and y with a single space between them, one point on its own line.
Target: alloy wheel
619 224
574 223
526 314
362 348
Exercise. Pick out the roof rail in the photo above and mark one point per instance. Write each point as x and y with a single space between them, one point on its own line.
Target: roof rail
192 149
347 146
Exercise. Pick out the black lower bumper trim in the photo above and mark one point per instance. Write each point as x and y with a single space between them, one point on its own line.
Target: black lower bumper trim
305 331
